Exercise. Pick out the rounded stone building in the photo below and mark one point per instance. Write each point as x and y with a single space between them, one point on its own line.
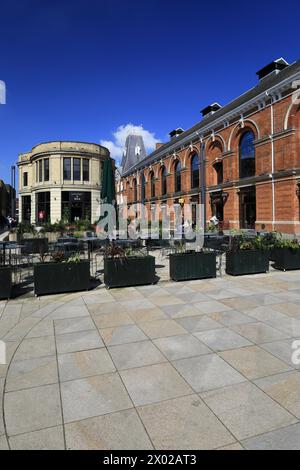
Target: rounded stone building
61 180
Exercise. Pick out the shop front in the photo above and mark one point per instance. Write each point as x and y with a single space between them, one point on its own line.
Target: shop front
76 205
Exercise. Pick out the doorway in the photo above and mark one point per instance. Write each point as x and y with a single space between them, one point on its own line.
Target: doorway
76 212
248 208
217 201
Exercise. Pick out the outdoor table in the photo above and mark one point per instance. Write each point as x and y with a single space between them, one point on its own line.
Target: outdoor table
67 244
90 241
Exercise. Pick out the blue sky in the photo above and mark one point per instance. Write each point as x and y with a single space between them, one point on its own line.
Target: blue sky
81 70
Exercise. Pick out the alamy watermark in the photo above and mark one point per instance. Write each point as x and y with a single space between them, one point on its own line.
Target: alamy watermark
133 221
296 352
2 92
2 353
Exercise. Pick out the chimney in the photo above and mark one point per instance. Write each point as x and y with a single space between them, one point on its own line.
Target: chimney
176 132
210 110
273 68
158 145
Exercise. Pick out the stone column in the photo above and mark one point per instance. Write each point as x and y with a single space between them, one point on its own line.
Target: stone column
55 205
95 205
33 208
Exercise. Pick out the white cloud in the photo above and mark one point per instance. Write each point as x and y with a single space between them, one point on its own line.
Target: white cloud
2 92
117 145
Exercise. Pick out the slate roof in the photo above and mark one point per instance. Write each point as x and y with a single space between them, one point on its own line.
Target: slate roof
134 152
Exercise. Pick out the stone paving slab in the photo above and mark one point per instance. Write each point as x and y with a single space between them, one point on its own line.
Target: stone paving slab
246 411
202 364
154 383
81 364
32 409
32 373
93 396
110 431
179 347
184 423
45 439
207 372
281 439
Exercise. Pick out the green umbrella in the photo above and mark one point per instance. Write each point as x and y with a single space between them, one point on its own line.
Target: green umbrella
108 193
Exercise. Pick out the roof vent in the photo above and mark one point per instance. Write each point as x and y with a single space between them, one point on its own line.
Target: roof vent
211 109
176 132
273 68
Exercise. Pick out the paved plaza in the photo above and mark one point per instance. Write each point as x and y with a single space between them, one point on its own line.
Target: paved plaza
192 365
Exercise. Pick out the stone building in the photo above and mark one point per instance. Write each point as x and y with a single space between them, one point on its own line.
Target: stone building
251 153
7 202
61 180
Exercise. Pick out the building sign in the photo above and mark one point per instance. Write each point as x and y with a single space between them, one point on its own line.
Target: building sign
76 197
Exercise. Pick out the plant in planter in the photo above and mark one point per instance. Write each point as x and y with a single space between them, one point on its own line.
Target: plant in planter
123 268
185 265
247 256
286 254
23 230
269 239
61 274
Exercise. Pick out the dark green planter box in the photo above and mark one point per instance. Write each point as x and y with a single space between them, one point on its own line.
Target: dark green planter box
247 262
286 259
131 271
54 278
5 282
34 246
185 266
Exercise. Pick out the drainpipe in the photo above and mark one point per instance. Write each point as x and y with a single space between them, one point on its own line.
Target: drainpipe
203 177
273 163
203 181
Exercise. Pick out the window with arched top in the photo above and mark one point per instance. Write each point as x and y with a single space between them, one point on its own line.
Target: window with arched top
177 171
247 154
143 187
152 184
134 186
164 180
195 179
218 167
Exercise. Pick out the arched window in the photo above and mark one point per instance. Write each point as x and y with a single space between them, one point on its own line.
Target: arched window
164 180
218 167
247 155
134 186
177 171
152 184
195 171
143 183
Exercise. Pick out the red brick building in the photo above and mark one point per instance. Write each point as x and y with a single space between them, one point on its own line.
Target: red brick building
251 154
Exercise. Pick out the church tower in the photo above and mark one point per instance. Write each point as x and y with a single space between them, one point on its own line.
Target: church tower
134 151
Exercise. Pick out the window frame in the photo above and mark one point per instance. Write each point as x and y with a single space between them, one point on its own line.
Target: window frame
25 179
65 170
152 184
46 168
195 171
245 172
76 169
164 173
177 176
86 170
